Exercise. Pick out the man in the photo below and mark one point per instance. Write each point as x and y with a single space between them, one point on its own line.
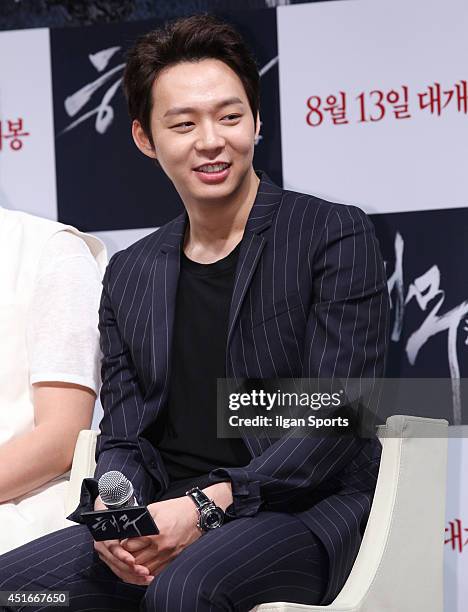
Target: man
250 282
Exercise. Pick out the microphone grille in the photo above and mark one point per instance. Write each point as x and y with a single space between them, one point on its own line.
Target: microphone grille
114 488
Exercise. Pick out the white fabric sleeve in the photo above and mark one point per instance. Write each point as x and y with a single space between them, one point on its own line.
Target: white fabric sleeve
62 333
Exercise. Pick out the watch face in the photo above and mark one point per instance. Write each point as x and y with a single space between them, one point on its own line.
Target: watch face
212 518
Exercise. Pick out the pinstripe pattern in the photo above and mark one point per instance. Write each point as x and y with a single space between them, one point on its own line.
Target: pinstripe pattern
269 557
309 300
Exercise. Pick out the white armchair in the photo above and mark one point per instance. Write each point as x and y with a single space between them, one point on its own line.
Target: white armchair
82 467
399 567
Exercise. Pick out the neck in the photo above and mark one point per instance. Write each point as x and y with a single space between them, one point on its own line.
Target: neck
216 227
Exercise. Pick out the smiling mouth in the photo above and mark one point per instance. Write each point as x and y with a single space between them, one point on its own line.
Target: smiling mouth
212 168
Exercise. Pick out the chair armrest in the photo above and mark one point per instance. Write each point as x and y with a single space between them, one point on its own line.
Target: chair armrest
82 467
407 514
399 566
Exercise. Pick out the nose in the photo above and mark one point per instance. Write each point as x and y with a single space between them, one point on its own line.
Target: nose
209 137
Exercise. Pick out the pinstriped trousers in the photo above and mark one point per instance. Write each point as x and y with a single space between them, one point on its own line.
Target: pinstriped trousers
269 557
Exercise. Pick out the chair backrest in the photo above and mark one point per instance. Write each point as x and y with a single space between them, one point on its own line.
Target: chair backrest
400 563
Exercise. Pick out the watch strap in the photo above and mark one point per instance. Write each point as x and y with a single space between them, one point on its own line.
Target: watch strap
199 497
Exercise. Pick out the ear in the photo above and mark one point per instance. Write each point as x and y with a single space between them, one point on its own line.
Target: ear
257 125
142 141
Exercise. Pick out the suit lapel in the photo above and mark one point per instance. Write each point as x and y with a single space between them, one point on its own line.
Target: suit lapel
163 295
260 218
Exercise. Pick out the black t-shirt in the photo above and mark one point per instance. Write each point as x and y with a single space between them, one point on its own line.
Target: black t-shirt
188 443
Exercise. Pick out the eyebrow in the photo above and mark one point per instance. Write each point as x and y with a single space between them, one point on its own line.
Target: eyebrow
179 110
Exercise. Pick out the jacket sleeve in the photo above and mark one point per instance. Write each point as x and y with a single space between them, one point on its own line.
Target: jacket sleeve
345 337
123 407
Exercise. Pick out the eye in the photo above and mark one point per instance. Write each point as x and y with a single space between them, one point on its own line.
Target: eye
184 126
232 117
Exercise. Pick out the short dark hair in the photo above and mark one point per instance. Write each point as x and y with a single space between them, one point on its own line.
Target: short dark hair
188 39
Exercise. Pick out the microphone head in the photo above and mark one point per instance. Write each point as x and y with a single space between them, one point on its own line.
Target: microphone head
115 489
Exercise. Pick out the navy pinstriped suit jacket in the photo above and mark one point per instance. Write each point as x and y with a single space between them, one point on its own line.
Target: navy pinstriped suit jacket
310 300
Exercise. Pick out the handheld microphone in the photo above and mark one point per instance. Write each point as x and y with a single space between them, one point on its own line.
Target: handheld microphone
116 491
124 517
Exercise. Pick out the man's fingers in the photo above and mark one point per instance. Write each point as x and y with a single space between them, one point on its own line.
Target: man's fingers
157 567
157 564
122 569
135 544
146 556
126 576
109 558
110 550
121 554
122 563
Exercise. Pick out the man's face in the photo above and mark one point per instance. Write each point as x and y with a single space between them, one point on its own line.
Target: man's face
203 129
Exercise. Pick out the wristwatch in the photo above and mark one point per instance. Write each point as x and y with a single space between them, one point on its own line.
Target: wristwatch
210 516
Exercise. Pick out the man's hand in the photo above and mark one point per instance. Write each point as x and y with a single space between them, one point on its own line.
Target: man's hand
177 523
120 561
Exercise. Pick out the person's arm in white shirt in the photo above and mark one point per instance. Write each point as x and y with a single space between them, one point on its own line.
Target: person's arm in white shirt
34 458
63 351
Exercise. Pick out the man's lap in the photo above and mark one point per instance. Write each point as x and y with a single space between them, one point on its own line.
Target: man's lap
66 561
269 557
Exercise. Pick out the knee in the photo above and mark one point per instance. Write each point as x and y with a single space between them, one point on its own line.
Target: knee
186 589
9 573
